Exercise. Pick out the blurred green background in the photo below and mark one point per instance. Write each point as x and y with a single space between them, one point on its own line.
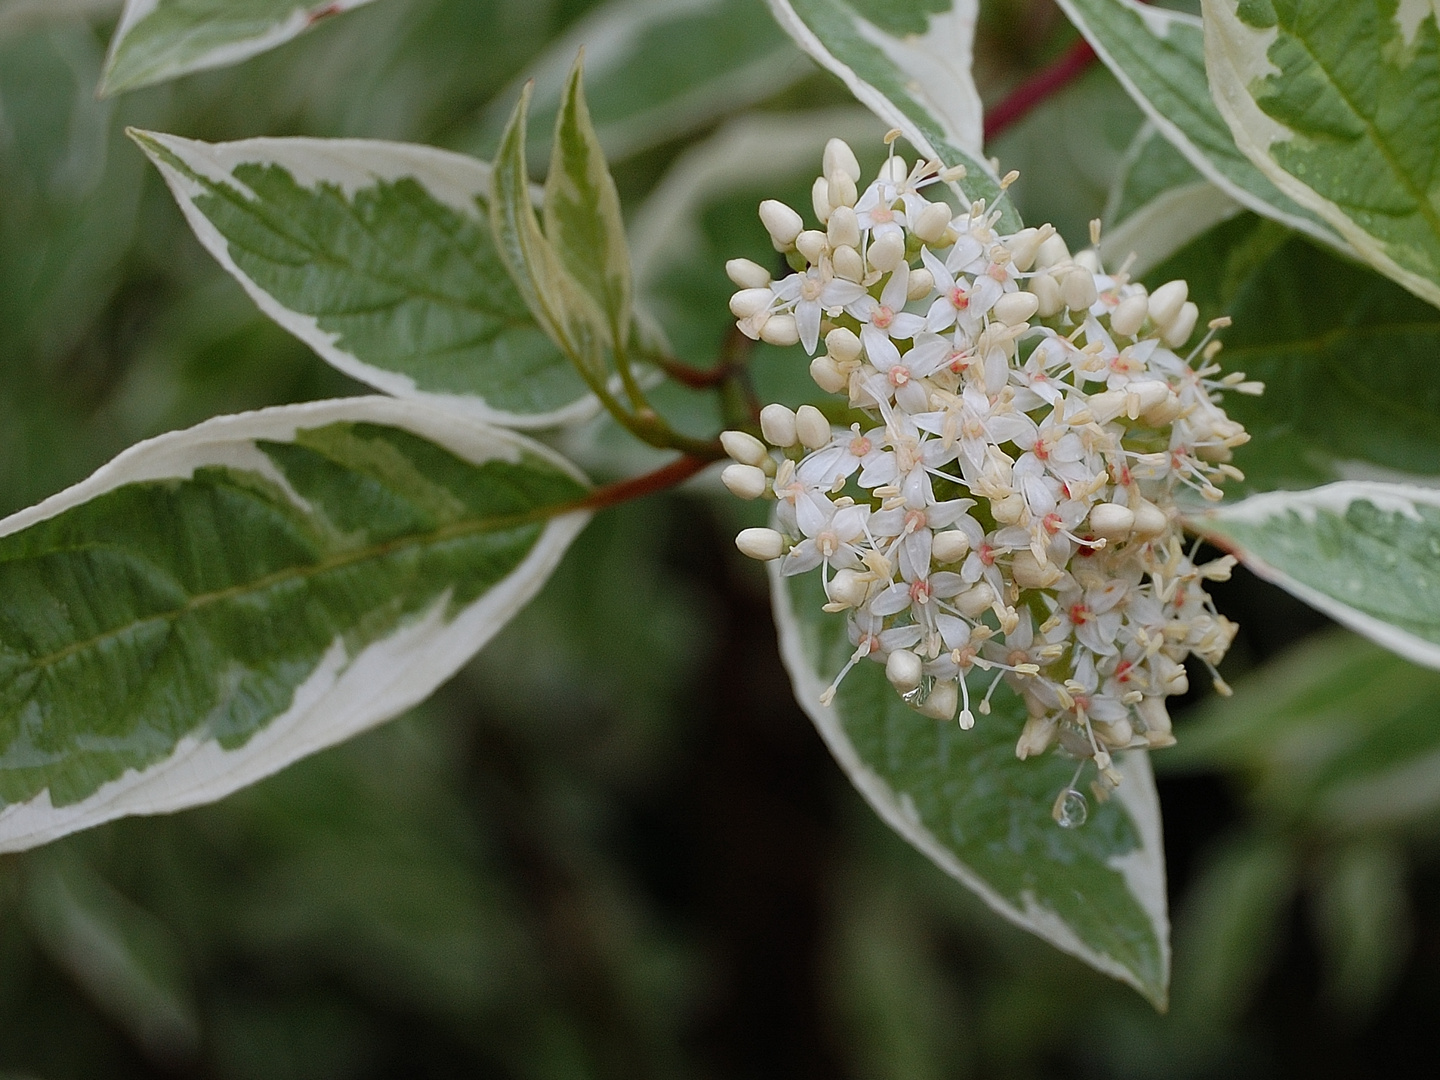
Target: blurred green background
613 847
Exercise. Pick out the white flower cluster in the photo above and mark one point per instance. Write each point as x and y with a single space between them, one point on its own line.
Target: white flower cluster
1007 505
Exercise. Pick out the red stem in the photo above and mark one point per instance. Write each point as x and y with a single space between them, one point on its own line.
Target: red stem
1038 88
636 487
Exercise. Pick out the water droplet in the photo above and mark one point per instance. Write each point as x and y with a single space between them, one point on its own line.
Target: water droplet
1070 810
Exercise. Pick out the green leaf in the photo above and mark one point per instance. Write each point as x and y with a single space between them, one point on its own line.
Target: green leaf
655 70
126 960
163 39
1159 57
559 303
582 211
1347 358
965 801
218 602
1337 104
379 256
1336 736
18 16
910 65
1365 553
1158 204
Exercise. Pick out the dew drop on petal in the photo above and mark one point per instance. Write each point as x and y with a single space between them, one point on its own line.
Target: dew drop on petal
1070 810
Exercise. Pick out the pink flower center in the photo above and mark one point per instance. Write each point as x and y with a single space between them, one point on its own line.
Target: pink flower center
959 298
860 446
899 375
920 592
882 318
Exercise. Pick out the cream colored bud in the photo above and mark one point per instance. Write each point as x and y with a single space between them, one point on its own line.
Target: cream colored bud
1166 302
777 424
1008 510
1029 573
951 546
1127 319
813 244
762 544
1014 308
843 229
840 190
780 330
1179 331
1170 673
827 374
942 700
849 588
812 427
1036 736
820 199
920 285
1150 520
1156 718
838 157
887 252
747 274
894 169
1024 247
1052 252
1116 734
848 264
746 481
932 222
843 344
1047 295
748 302
974 601
1089 259
1077 289
1112 521
904 670
1162 414
782 223
744 448
1143 395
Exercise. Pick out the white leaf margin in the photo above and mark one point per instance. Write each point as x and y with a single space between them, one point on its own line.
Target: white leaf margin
1235 58
1160 22
1143 868
1334 498
454 180
300 19
936 66
345 695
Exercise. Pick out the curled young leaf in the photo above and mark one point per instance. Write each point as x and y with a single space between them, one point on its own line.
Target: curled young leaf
219 602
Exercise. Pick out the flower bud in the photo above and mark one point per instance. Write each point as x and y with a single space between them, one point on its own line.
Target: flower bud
1014 308
974 601
747 274
777 424
1036 736
843 229
1029 573
782 223
1160 415
1106 405
813 245
1116 734
1127 319
843 344
1112 521
1077 289
886 252
849 588
1052 252
1024 247
1089 260
932 222
848 264
1179 331
827 374
920 285
894 169
1166 302
840 190
744 448
1156 719
1150 520
746 481
904 670
838 157
951 546
1047 295
748 302
940 703
820 200
780 330
761 544
812 427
